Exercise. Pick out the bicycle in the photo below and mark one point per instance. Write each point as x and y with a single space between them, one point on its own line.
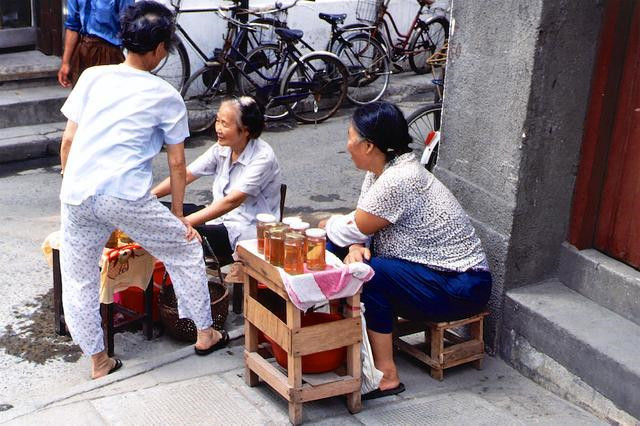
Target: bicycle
176 67
423 39
365 59
424 123
312 87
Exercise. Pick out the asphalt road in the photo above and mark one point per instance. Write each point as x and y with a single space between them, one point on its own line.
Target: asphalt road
34 362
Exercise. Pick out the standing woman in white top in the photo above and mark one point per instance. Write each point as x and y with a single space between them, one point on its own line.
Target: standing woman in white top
246 178
428 261
119 117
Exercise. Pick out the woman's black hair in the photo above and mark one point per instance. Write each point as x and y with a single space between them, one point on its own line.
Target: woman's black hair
145 24
383 124
251 115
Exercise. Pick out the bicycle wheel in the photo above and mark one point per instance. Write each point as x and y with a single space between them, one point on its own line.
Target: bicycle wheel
175 67
261 66
202 95
368 67
427 40
333 45
423 123
314 87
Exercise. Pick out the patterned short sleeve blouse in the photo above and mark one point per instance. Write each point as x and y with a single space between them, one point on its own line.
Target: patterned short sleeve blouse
428 225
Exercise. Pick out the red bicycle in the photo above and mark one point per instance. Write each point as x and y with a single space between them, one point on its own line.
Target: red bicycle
423 39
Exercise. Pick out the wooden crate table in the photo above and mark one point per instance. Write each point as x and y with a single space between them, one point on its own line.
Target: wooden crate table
296 341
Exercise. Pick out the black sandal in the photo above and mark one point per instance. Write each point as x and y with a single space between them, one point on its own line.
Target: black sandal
223 342
116 367
374 394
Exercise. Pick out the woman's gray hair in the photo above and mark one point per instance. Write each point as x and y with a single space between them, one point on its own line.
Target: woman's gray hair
250 115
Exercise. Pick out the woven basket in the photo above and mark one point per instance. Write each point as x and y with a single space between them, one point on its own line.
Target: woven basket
184 329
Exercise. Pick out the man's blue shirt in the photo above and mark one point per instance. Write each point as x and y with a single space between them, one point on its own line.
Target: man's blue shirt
100 18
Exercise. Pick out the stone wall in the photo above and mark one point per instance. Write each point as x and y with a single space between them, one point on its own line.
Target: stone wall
516 94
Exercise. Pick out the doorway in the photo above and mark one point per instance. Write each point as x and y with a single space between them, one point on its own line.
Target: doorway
17 24
606 204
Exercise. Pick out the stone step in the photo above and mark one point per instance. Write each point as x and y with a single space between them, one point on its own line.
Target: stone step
30 65
24 106
590 341
604 280
26 142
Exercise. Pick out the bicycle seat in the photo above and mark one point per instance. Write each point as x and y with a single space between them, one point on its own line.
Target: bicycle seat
289 35
333 18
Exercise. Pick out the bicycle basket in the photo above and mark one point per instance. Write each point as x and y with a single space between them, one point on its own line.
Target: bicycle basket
273 20
367 10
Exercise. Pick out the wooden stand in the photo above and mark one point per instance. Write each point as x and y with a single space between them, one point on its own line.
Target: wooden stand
443 347
107 311
297 341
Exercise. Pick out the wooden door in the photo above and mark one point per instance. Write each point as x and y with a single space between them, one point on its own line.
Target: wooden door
618 223
49 26
606 203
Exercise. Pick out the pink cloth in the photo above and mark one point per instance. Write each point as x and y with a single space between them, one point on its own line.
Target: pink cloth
313 287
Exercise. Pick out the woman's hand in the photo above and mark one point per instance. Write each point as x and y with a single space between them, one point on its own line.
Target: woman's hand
357 253
322 224
191 231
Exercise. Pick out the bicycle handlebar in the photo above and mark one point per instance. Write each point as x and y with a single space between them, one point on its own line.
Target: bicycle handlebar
278 7
247 26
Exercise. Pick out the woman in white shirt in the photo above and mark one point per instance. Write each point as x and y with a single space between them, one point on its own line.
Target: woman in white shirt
428 261
246 178
119 118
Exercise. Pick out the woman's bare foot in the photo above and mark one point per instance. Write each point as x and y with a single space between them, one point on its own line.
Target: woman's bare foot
101 364
207 338
389 382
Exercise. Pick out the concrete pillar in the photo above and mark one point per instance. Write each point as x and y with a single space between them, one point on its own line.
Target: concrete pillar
516 94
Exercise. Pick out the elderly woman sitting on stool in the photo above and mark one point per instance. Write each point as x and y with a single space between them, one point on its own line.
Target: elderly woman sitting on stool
246 178
428 261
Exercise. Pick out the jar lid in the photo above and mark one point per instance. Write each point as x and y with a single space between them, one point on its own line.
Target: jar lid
299 226
265 217
291 220
316 233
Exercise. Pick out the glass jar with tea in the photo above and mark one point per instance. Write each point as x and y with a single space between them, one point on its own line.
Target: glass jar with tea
316 247
262 220
293 253
275 245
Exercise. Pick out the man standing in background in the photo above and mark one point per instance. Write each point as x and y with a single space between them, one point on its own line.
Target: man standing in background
91 38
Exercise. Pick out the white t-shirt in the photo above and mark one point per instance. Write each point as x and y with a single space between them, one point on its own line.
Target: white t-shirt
124 116
256 173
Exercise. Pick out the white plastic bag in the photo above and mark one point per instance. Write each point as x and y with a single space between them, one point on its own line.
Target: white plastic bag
371 376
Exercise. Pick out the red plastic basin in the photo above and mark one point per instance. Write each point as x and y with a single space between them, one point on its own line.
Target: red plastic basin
320 362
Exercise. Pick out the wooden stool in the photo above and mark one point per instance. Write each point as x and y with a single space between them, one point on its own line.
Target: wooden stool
443 347
107 311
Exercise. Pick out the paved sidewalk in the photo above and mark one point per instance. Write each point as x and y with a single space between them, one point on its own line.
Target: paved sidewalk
182 388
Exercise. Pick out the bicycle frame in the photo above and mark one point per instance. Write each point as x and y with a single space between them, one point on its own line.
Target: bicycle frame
398 50
183 32
232 55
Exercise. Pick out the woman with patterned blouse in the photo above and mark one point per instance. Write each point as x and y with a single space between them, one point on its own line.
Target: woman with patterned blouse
428 261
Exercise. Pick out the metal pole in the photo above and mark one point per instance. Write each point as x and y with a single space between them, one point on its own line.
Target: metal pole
244 18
